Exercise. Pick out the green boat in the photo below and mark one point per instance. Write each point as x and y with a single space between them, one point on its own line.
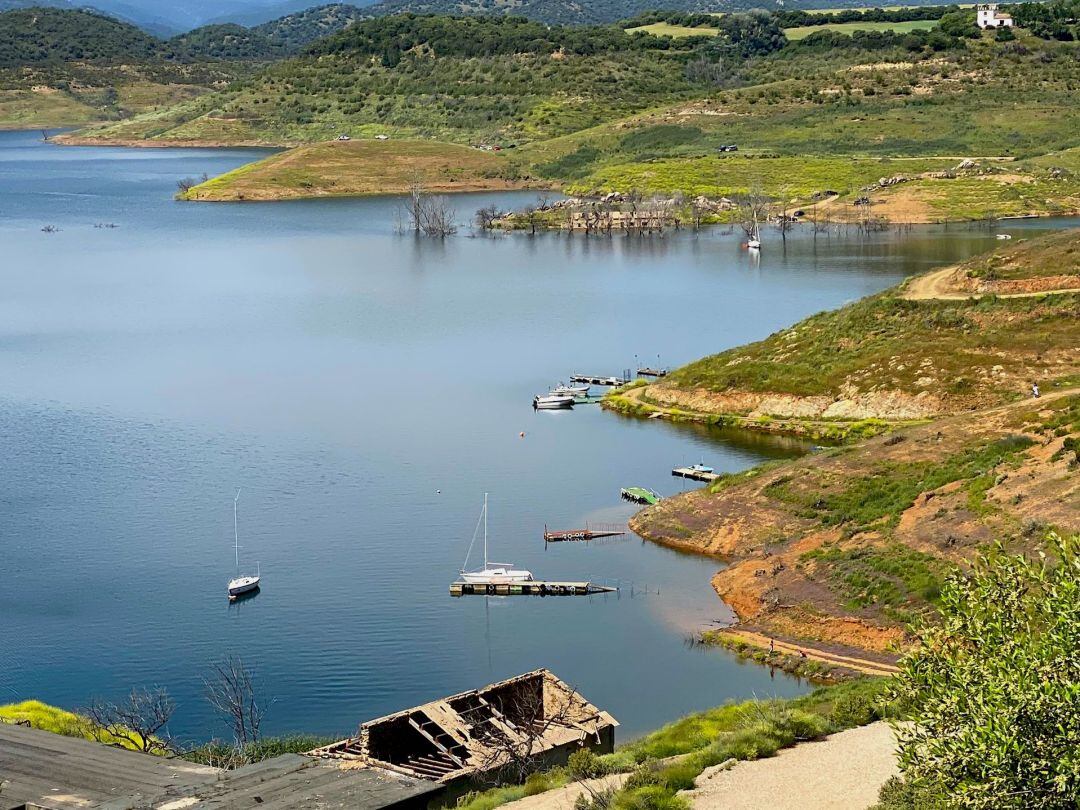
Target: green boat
640 495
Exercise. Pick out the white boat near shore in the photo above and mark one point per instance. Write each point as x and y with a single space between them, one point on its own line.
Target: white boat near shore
553 401
570 390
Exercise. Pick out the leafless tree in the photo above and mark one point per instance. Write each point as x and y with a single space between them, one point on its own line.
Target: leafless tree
437 217
516 740
486 217
139 721
414 204
232 691
753 210
780 217
188 183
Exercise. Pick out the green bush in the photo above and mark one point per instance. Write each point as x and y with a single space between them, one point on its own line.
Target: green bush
584 764
993 684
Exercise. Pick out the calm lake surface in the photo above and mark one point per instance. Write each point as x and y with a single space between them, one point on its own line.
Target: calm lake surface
364 389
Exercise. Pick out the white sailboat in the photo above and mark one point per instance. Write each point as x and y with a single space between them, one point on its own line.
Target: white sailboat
246 583
753 241
492 573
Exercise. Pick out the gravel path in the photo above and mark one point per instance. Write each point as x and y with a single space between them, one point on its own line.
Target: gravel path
563 798
841 772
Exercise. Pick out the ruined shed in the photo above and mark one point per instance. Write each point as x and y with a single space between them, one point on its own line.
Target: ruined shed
534 716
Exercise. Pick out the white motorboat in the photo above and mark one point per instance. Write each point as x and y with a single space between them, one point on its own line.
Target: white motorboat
492 573
702 468
551 401
570 390
241 583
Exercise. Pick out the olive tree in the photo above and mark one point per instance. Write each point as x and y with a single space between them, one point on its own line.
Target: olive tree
994 685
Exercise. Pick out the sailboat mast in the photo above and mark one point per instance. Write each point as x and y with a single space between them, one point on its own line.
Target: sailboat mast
236 534
485 532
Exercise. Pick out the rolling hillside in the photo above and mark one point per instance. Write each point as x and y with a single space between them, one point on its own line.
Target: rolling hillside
37 36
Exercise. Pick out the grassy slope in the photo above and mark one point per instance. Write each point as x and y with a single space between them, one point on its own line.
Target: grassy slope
357 167
966 354
752 729
859 538
51 718
663 29
804 122
500 99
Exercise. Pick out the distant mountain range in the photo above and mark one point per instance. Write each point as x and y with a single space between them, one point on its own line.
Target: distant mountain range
41 35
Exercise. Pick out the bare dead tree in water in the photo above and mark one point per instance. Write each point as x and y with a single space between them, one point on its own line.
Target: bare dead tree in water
515 741
414 204
437 218
139 721
232 691
753 210
781 219
486 217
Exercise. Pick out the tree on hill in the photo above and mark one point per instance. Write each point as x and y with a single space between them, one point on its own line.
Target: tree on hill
42 35
994 687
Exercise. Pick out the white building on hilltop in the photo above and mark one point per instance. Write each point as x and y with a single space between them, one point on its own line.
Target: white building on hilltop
988 16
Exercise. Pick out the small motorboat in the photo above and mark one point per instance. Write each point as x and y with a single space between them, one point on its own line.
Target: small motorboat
553 401
570 390
702 468
1004 236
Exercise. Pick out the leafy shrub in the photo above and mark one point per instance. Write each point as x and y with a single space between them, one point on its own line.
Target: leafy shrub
584 764
993 685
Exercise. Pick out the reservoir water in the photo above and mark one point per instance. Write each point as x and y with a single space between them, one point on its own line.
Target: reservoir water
364 389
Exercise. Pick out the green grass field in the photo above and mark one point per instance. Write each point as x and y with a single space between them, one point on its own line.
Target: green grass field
802 32
663 29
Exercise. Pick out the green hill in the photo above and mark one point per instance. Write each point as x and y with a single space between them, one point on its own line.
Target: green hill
272 40
36 36
292 32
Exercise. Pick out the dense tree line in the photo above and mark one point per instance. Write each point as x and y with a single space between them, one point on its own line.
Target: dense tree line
796 18
913 41
392 36
1055 20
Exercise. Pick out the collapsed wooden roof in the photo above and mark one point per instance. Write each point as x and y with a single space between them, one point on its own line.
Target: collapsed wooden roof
475 731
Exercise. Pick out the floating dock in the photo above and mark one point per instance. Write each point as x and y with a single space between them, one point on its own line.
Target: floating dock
697 475
652 372
640 495
591 380
578 535
533 588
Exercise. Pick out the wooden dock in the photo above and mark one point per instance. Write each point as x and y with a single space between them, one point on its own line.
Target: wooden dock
592 380
533 588
652 372
578 535
697 475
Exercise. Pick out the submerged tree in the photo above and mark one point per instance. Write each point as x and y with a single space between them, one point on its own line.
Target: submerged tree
994 685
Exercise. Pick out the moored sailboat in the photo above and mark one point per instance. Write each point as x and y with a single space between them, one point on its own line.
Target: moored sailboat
492 573
242 583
